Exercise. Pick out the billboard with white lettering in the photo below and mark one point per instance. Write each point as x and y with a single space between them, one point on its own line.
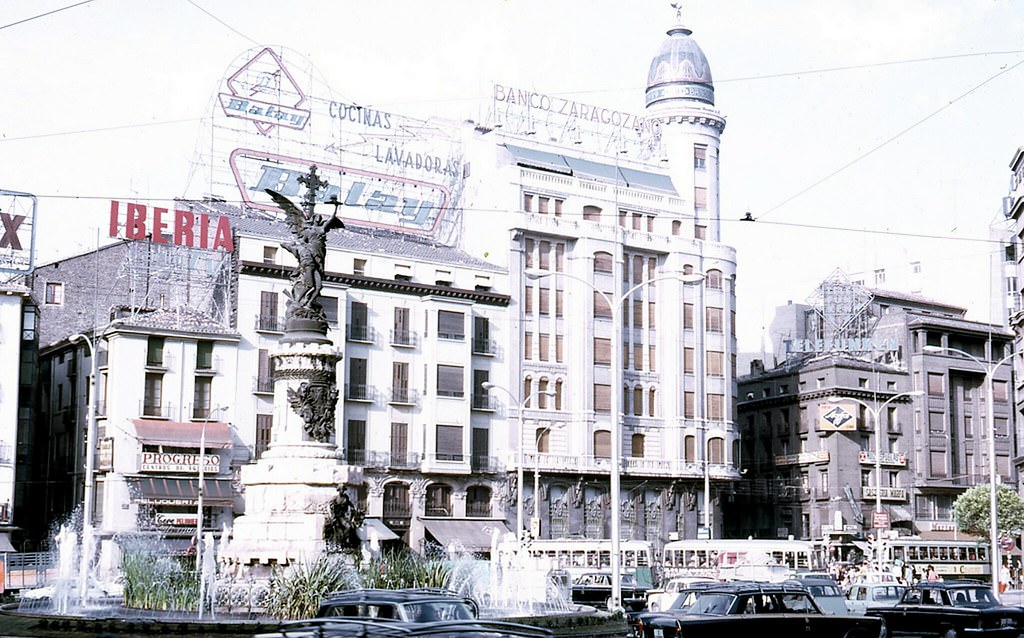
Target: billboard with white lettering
17 232
274 117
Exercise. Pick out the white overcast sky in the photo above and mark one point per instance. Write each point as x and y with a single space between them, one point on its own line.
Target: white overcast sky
888 116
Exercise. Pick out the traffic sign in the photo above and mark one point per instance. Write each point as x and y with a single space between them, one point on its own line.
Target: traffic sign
881 520
1006 543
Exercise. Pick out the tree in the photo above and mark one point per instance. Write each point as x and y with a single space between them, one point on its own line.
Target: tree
972 507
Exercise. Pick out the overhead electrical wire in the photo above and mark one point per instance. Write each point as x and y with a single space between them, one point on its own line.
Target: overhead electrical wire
43 15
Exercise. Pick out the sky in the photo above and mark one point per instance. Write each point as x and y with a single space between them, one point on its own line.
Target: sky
860 135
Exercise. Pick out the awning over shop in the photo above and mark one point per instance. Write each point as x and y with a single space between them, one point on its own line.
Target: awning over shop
377 527
473 535
898 514
182 434
180 491
862 546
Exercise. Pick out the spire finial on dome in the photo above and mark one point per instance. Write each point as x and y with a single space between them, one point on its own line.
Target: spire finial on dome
678 6
678 27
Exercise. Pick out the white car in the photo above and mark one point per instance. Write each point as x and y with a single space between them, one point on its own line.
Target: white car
860 596
665 596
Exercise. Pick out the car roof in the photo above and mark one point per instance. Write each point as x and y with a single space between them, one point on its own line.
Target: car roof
950 584
382 628
749 587
396 596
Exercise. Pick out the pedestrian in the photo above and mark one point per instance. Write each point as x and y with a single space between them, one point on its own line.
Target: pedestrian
931 574
1004 578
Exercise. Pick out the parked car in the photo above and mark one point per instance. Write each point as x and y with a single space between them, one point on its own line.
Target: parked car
684 597
949 608
595 589
860 596
755 608
420 605
826 593
381 628
664 597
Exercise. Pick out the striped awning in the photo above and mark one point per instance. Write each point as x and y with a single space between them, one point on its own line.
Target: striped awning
160 490
183 434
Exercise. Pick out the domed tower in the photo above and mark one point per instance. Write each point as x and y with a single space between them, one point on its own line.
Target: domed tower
681 95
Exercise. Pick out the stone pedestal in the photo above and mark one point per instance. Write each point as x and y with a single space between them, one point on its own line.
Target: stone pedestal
288 491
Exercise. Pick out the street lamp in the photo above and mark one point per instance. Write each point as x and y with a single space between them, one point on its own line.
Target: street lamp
88 504
199 509
993 528
875 412
487 385
615 307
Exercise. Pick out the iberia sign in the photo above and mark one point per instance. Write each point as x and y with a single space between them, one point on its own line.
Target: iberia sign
17 231
165 226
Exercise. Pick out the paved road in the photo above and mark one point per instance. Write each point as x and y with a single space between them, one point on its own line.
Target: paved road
1012 597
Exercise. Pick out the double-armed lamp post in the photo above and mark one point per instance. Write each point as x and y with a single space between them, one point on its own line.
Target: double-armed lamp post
876 419
88 502
989 370
615 309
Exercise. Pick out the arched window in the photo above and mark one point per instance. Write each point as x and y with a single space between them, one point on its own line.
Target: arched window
542 397
591 214
602 262
439 500
736 453
713 279
716 450
527 389
543 438
396 500
558 394
603 444
478 501
638 401
651 403
690 448
637 446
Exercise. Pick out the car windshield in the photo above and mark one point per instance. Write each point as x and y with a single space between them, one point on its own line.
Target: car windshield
685 600
713 604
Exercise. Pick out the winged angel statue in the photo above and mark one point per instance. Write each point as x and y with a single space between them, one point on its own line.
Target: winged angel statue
309 248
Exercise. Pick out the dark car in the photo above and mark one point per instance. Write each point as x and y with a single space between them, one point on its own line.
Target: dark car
686 595
826 593
421 605
381 628
949 608
595 589
751 609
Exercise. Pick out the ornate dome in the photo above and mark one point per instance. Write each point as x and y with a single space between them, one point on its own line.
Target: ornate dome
680 71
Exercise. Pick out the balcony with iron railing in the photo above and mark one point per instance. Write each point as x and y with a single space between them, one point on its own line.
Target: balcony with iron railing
153 410
483 402
359 392
486 464
478 509
438 509
403 338
263 385
484 347
397 509
269 323
631 466
359 332
404 396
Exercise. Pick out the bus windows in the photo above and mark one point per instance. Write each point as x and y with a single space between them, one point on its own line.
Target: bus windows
629 558
606 558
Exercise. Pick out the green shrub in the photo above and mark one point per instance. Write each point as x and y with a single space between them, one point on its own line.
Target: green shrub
155 580
295 591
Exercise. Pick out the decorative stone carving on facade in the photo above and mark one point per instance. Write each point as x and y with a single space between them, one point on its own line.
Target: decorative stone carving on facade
314 401
690 498
578 493
418 489
375 485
